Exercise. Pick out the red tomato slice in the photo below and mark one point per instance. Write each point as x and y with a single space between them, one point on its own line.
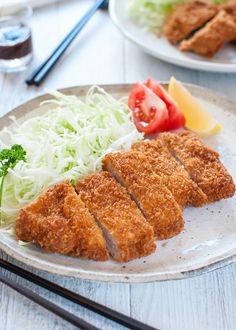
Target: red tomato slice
149 111
176 116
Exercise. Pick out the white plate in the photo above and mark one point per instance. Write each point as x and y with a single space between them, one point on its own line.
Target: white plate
209 238
223 61
16 3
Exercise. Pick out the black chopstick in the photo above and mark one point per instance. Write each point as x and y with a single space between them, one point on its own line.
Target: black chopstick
41 72
78 322
76 298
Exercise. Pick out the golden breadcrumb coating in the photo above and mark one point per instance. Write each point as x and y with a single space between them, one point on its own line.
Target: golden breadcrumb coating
230 8
59 222
133 170
212 37
128 234
187 18
202 163
173 175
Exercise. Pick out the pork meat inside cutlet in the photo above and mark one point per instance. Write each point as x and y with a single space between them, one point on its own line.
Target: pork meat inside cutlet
173 175
128 234
59 222
187 18
134 171
211 38
202 163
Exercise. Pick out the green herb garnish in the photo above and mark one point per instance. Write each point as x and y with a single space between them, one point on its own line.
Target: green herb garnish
8 160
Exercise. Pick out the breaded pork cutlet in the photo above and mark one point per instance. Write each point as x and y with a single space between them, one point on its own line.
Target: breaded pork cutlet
211 38
59 222
174 177
202 163
128 234
230 8
187 18
134 171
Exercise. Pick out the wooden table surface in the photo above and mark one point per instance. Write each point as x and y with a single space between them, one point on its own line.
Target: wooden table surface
102 56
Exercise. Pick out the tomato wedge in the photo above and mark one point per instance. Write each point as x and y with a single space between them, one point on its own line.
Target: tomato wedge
176 116
149 111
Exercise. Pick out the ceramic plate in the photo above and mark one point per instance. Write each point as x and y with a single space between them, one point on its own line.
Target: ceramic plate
15 3
207 242
159 47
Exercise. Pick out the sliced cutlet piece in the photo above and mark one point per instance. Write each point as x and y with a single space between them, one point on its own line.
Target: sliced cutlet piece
187 18
211 38
134 171
230 8
128 234
174 177
58 221
202 163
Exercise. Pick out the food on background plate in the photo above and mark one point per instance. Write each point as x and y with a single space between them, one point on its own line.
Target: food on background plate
198 119
128 234
153 14
59 222
186 19
203 27
202 163
213 36
173 175
134 171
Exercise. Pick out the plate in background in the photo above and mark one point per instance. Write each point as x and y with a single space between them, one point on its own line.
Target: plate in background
207 242
7 6
159 47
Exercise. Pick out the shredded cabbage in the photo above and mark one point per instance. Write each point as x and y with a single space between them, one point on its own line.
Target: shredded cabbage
67 142
151 14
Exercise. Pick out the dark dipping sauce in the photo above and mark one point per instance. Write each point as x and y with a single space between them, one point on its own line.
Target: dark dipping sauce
15 39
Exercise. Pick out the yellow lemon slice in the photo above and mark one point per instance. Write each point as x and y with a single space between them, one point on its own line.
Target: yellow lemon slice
198 119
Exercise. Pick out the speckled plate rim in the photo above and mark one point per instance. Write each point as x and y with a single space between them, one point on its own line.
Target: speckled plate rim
187 63
198 269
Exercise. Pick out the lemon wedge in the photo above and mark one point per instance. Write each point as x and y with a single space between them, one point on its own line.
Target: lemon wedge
198 119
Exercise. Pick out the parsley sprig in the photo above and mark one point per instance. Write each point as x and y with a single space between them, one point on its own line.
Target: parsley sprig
8 160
